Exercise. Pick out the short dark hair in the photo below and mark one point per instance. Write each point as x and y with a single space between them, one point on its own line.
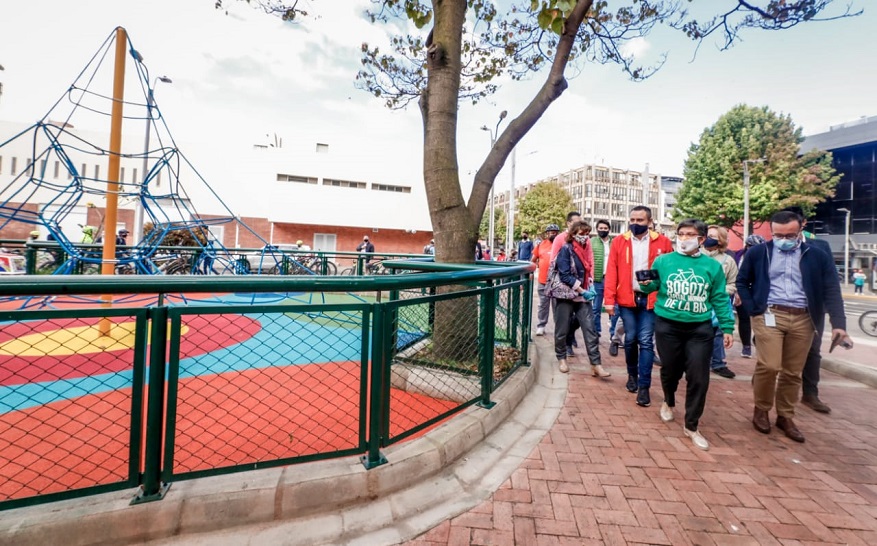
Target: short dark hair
785 217
797 210
572 214
699 225
647 210
604 222
574 229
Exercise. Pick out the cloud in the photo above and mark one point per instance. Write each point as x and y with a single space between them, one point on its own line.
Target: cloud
635 48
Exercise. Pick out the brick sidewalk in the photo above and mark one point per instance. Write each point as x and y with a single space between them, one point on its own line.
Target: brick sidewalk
610 472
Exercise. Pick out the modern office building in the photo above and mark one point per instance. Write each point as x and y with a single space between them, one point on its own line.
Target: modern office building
670 186
601 192
853 147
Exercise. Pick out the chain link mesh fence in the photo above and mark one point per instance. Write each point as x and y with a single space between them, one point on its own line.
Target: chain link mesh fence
70 399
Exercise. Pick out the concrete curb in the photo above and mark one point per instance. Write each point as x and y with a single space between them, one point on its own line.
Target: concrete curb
444 473
851 370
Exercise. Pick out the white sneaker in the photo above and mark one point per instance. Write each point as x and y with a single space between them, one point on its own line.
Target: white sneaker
561 365
540 331
666 413
697 439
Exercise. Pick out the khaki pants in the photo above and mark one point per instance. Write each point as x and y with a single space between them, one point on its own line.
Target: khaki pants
782 350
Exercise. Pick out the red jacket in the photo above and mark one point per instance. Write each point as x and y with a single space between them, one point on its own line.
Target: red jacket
618 282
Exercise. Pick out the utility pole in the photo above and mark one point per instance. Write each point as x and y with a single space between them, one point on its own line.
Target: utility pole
494 134
746 163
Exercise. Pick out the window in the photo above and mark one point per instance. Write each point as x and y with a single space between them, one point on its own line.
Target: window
134 176
14 166
83 173
43 165
1 164
387 187
324 242
122 175
344 183
97 172
57 168
296 178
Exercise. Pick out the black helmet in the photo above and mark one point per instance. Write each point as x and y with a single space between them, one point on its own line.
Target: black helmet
552 227
753 240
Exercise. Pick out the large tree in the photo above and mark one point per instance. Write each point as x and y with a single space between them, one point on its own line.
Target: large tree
779 175
464 49
545 203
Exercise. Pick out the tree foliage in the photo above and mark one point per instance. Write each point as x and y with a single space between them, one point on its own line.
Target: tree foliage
500 224
713 186
546 203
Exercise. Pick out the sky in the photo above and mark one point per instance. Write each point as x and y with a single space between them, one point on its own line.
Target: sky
241 76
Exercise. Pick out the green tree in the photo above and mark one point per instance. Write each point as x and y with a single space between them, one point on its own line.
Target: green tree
500 224
472 46
546 203
713 186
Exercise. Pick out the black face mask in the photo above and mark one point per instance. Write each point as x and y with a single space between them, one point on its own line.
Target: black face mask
638 229
525 237
551 237
603 233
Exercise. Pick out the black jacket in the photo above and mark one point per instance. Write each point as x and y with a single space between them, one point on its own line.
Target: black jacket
817 271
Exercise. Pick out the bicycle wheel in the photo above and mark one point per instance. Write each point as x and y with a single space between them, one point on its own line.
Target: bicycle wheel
868 323
348 271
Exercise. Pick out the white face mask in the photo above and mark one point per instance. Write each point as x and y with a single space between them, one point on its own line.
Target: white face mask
687 246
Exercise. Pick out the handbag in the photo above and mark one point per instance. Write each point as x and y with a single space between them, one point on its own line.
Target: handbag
555 287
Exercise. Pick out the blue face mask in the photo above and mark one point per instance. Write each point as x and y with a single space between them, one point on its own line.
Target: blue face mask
638 229
709 242
786 244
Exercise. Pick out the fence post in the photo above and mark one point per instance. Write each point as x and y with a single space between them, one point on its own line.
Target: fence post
487 327
526 317
153 489
374 457
30 256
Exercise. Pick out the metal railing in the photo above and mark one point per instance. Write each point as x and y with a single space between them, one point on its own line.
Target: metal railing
182 376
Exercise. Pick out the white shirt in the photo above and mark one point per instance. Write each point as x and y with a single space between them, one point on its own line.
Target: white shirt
605 255
640 260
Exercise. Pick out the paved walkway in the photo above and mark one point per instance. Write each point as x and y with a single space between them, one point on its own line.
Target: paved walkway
610 472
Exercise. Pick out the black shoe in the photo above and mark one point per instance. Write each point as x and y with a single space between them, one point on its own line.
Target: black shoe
642 397
569 351
613 349
724 372
631 383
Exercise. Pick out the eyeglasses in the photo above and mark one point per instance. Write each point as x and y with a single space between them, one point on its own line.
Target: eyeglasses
787 236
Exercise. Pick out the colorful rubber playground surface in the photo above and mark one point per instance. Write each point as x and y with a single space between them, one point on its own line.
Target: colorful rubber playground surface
251 387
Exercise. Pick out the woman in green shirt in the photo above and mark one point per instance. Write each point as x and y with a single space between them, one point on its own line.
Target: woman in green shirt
690 286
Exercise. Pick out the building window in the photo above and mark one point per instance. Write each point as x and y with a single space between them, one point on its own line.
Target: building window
134 176
97 172
344 183
122 175
296 178
57 168
83 172
387 187
43 164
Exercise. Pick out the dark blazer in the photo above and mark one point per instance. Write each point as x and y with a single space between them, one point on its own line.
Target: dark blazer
820 283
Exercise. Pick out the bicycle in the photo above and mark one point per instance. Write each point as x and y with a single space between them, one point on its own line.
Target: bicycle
868 323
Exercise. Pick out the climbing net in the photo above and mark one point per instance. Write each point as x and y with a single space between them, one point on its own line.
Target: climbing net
39 197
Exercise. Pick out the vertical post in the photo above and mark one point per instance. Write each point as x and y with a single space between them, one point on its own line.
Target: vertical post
153 489
30 256
376 406
138 216
110 220
510 236
527 318
487 327
847 250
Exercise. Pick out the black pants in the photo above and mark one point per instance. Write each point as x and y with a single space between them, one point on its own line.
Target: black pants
584 312
685 348
744 326
810 375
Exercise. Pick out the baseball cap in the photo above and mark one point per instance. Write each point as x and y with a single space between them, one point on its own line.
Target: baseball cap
299 242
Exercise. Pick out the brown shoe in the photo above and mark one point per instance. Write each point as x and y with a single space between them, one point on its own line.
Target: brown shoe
813 402
761 421
786 425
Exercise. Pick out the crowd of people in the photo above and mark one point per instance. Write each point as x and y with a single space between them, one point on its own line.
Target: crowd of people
677 301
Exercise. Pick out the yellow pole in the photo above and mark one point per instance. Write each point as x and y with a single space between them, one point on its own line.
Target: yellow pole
110 220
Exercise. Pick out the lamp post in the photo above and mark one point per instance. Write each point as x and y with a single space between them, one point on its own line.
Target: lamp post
746 163
510 236
150 102
493 135
846 246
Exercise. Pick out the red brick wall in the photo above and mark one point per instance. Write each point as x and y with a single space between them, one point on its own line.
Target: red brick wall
18 230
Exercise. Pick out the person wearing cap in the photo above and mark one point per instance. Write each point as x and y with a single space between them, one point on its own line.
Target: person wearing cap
744 324
122 237
542 258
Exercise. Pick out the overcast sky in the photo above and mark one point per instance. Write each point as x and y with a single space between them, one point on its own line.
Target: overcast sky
242 75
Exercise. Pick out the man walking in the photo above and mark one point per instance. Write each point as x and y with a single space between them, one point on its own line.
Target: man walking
542 258
600 245
634 251
786 285
525 248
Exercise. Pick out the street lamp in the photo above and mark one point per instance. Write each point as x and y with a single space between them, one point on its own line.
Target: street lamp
510 236
493 135
846 247
746 163
150 102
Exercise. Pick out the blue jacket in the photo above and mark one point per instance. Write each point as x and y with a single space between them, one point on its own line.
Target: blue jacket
565 258
820 283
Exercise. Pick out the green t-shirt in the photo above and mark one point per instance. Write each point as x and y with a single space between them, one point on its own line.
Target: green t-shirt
690 288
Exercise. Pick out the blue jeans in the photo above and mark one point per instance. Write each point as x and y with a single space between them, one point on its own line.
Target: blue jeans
639 346
598 309
718 358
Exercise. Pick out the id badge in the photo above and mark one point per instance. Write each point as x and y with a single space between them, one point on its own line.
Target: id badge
770 320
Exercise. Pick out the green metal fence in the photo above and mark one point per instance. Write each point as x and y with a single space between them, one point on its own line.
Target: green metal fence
184 377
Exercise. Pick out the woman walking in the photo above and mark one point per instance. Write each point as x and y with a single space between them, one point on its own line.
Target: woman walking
715 246
690 286
577 298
